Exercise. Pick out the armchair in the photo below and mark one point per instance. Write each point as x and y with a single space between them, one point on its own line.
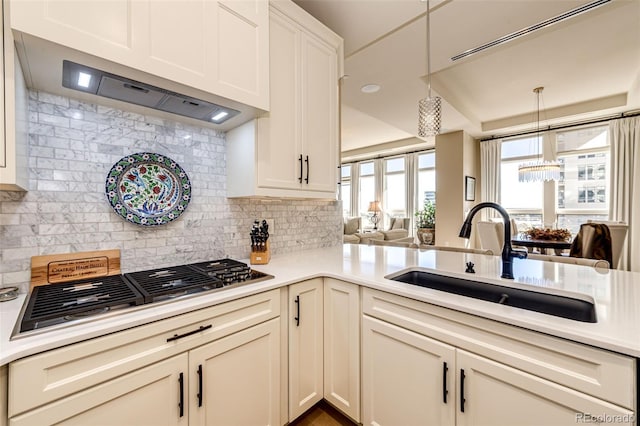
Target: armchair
398 229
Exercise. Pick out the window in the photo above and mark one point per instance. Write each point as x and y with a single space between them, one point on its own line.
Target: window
367 187
580 194
345 193
523 200
584 154
387 180
426 179
395 201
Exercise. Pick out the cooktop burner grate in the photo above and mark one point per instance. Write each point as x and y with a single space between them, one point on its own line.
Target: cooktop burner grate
226 270
64 303
55 303
168 283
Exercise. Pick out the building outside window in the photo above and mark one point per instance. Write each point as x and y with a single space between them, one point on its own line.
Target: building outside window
581 194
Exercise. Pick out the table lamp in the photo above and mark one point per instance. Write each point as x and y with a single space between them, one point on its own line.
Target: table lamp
374 207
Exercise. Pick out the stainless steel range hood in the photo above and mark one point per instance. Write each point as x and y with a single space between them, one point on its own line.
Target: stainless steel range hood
56 69
90 80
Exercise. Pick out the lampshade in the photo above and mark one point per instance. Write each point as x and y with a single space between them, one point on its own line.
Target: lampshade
374 206
429 108
429 116
539 170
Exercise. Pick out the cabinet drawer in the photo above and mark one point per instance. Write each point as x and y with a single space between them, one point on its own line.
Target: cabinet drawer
596 372
45 377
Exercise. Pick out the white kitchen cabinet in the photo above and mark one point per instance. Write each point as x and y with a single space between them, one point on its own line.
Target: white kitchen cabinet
342 346
237 343
407 378
13 116
153 395
220 47
496 374
498 395
236 380
292 151
305 346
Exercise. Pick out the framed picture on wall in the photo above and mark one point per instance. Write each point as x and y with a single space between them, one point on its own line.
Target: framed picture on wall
469 188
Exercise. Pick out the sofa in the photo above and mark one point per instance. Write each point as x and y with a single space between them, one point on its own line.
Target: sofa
352 226
398 231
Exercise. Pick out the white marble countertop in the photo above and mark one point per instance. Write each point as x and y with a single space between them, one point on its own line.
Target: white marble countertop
616 295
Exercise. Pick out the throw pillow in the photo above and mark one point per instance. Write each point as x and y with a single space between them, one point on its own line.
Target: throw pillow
351 225
398 223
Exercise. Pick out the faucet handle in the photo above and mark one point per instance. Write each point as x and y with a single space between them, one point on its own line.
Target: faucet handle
470 269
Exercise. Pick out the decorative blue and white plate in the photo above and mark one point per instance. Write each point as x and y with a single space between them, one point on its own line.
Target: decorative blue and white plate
148 189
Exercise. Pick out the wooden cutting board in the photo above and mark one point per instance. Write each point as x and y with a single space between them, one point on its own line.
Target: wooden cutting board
59 268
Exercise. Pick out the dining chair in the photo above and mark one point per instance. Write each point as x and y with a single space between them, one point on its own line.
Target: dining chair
618 232
491 235
593 241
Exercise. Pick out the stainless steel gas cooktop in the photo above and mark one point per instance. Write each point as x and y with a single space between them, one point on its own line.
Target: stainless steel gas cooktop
72 302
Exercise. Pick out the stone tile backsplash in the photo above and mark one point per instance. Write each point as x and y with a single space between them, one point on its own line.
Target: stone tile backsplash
72 147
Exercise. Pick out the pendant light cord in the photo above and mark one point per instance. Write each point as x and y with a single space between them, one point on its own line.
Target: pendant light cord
538 91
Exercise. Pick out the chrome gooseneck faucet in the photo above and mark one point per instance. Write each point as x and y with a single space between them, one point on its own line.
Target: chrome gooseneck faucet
508 252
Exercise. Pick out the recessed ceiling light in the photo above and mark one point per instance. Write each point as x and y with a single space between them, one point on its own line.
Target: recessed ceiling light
370 88
84 79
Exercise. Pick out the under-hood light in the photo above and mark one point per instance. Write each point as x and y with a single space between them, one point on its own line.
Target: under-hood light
84 79
219 116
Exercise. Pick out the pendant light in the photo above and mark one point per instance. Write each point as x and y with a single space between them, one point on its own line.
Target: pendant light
429 108
540 170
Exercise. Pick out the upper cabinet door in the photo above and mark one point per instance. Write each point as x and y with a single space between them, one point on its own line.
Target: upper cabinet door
220 47
296 144
279 144
319 103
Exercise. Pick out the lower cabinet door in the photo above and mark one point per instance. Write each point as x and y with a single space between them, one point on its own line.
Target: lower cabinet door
306 327
407 378
236 380
342 346
154 395
494 394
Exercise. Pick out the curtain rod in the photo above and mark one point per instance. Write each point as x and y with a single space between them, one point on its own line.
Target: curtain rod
380 156
567 126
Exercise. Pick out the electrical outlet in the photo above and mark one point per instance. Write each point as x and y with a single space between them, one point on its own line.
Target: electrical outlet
272 227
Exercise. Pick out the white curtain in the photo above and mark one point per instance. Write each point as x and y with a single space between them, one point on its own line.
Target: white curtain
624 135
490 155
411 189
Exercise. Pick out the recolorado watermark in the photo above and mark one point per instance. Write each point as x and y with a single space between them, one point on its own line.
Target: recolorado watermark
605 418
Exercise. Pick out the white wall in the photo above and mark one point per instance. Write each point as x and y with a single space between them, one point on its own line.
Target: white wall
457 156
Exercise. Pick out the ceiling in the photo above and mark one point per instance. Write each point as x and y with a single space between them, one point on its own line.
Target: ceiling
589 65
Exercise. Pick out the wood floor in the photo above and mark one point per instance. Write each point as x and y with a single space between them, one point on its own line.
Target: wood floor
322 414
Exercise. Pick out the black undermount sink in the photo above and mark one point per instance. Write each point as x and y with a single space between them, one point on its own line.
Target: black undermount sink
546 303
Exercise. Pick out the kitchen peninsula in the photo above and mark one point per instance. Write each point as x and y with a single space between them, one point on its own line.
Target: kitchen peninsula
594 365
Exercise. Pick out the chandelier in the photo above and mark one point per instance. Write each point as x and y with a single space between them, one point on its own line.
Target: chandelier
539 170
429 108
